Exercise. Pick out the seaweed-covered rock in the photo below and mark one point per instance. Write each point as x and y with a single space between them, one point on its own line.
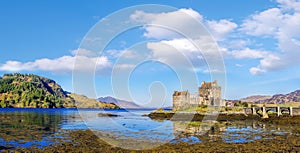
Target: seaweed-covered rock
107 115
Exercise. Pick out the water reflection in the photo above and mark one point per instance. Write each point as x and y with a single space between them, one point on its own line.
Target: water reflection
230 132
27 127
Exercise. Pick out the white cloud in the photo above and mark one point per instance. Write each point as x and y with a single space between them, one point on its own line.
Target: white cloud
237 43
163 52
183 45
256 71
289 5
275 22
15 66
129 54
126 54
238 65
64 64
83 52
212 71
282 24
269 63
192 13
123 66
249 53
220 29
174 48
245 53
263 23
180 20
176 54
273 62
182 52
158 22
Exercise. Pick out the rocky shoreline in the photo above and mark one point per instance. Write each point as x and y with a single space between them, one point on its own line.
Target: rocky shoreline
221 117
86 141
190 116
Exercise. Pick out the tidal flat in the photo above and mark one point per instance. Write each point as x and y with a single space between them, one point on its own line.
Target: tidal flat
70 130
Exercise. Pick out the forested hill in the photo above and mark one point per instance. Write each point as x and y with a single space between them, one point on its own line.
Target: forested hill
32 91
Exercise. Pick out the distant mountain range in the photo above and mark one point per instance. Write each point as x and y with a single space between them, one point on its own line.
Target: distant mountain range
85 102
275 99
255 98
120 103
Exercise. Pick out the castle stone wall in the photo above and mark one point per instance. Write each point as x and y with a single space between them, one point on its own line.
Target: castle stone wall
209 93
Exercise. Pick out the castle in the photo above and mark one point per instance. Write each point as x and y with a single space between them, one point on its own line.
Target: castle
209 93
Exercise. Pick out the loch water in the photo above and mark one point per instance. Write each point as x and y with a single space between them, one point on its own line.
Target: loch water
39 127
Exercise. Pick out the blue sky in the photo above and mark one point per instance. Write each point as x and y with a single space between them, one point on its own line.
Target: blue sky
258 39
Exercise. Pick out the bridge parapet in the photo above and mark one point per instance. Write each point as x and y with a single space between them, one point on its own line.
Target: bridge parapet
292 111
296 111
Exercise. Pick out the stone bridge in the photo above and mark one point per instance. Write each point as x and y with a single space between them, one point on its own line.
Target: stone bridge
263 111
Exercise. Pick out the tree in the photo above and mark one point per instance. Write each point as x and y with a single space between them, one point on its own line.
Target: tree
2 101
241 104
244 104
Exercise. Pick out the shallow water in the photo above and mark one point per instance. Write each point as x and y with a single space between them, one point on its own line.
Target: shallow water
42 127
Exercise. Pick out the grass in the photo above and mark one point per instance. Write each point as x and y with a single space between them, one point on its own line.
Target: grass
204 109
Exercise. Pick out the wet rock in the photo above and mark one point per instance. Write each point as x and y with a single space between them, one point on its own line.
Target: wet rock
107 115
46 128
5 148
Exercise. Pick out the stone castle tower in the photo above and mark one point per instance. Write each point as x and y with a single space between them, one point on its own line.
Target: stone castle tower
209 93
180 99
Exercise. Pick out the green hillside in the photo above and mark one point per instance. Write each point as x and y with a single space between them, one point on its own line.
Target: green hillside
85 102
32 91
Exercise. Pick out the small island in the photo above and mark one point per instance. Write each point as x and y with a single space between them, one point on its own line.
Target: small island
208 102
